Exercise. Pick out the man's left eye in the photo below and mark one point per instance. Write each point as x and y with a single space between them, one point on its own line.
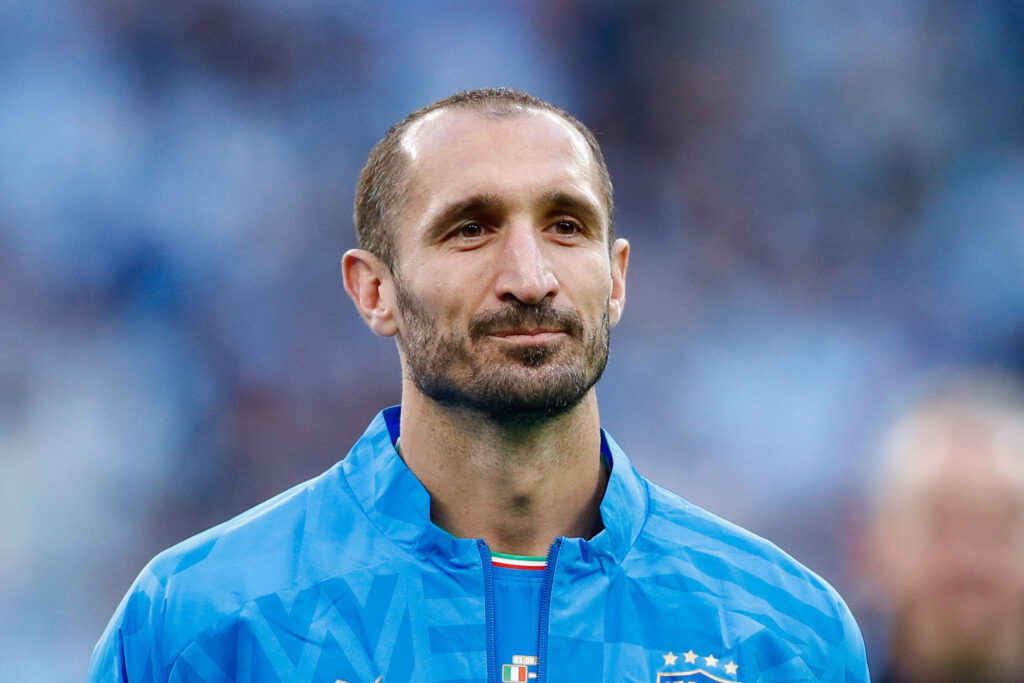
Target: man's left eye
470 230
566 228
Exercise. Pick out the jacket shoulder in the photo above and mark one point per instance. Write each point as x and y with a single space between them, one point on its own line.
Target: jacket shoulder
190 587
679 528
756 589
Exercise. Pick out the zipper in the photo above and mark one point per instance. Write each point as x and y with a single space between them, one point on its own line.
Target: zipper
492 654
545 608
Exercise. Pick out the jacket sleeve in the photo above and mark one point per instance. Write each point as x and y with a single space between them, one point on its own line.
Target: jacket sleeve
128 652
852 666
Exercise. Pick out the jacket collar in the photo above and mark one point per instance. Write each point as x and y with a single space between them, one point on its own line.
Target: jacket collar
399 506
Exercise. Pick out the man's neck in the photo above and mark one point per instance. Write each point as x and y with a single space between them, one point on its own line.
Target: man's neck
516 487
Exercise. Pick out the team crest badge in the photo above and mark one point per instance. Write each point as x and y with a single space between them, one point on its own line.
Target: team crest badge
695 676
690 667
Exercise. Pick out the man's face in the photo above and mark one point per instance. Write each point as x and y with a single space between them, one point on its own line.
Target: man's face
951 553
504 278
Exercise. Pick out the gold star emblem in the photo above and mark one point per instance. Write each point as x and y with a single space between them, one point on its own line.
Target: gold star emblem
731 668
670 659
710 659
690 657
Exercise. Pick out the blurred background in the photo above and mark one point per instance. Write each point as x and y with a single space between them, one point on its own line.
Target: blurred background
825 202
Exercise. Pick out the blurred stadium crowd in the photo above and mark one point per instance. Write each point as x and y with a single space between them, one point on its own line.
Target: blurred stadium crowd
825 202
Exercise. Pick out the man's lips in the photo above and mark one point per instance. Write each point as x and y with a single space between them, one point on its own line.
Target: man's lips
528 335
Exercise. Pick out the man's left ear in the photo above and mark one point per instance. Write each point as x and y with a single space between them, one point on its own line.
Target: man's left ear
620 262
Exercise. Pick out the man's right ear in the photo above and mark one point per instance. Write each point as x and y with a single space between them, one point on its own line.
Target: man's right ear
369 282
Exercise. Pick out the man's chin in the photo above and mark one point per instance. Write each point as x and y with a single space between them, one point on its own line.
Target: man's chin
522 410
519 394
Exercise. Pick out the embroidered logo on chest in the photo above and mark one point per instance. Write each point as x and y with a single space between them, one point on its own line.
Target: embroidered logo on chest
690 667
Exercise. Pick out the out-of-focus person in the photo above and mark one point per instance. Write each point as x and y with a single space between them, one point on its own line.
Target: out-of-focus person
946 546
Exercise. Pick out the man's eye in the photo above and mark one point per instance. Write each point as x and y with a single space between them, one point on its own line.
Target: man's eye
566 228
470 230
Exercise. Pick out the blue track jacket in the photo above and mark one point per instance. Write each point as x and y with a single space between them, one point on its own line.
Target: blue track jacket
344 579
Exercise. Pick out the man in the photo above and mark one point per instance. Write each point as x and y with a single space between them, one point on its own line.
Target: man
948 535
486 530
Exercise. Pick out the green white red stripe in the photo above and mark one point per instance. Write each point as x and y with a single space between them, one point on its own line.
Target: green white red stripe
511 672
518 562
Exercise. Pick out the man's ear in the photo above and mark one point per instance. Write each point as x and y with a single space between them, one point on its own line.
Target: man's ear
368 282
620 262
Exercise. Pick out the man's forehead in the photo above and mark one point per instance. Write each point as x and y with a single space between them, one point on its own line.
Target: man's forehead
457 153
953 451
448 126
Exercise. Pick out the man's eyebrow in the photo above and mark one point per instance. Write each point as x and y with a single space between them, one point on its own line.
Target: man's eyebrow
468 207
582 207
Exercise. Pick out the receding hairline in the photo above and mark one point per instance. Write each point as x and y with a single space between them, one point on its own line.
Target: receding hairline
496 110
987 403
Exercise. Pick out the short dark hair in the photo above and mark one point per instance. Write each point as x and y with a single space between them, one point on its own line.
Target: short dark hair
379 190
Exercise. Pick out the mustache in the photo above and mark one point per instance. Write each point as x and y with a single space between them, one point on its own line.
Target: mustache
516 314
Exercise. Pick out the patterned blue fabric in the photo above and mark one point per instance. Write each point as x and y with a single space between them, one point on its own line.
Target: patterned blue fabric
344 578
517 597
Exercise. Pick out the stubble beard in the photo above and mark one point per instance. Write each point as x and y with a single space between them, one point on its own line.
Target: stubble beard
506 383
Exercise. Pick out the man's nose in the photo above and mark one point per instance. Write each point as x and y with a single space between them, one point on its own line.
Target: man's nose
524 272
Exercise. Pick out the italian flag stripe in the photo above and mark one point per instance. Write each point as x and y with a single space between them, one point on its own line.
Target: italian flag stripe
518 562
513 673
